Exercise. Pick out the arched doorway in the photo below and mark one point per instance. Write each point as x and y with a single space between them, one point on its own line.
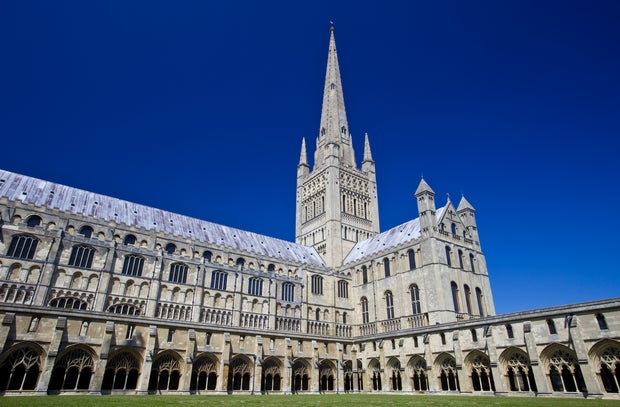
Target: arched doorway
326 376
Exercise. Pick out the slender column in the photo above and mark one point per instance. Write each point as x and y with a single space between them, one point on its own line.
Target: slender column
500 384
464 380
97 379
149 353
48 363
185 380
542 384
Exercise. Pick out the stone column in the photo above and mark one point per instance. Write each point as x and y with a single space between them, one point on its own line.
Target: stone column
225 365
97 379
431 373
52 352
288 365
315 368
186 379
386 383
464 380
149 354
258 366
542 384
498 377
354 372
589 376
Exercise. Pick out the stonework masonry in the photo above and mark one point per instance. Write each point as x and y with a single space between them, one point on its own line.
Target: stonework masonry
103 296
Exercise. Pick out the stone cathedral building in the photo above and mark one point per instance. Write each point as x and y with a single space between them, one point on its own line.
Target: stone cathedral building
100 295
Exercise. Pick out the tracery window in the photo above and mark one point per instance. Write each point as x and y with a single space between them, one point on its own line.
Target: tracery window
23 247
255 286
73 371
239 375
121 372
288 292
178 273
365 317
133 265
82 256
317 284
386 267
610 369
219 280
481 376
520 375
564 373
415 299
419 377
204 374
343 289
389 304
21 370
448 377
165 373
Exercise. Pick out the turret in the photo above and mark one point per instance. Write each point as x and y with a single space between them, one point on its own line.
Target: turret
426 207
467 213
303 168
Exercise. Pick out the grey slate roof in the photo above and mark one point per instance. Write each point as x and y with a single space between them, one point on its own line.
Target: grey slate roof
33 191
406 232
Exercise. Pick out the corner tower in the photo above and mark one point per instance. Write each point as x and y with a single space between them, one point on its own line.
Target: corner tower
336 201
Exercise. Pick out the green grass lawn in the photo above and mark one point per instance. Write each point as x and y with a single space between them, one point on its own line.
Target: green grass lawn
357 400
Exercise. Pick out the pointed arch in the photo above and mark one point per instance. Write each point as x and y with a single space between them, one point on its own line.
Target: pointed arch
166 371
122 370
271 379
20 367
204 373
73 369
300 373
562 368
240 373
417 369
515 364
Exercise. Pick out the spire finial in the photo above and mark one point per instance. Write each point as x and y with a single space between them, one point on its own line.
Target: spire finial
331 23
303 156
367 153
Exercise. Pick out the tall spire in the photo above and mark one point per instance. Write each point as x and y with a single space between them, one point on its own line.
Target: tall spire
367 153
303 156
334 126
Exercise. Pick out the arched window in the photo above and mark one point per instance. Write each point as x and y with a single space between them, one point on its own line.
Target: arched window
415 299
21 370
453 229
82 256
240 263
165 373
207 256
34 221
509 331
468 299
317 284
23 247
219 280
365 317
389 304
133 265
271 267
474 335
344 318
255 286
170 248
411 255
455 296
602 324
124 309
386 267
73 371
448 256
551 326
130 240
68 303
471 262
86 231
288 292
364 275
480 301
461 259
121 372
318 314
343 289
178 273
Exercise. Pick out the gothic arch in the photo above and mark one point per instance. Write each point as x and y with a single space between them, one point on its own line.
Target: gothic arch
240 374
122 370
327 376
479 370
374 370
165 372
445 367
562 369
393 371
517 370
605 359
418 372
73 369
20 367
204 373
271 379
300 373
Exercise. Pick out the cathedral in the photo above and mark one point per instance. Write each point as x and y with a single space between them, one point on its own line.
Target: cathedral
103 296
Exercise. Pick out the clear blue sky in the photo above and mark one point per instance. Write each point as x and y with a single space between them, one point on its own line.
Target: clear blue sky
199 107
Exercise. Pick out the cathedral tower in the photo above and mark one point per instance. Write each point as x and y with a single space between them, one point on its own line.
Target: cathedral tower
336 201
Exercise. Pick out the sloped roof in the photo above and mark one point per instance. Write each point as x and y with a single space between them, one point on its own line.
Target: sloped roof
33 191
405 232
